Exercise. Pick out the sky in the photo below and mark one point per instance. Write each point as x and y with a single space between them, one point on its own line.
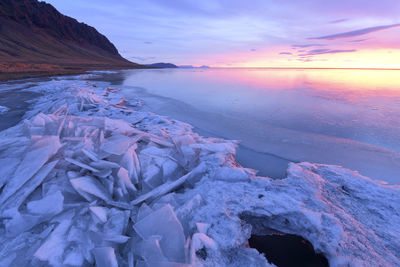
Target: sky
248 33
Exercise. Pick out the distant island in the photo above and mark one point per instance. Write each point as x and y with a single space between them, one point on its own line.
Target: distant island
162 65
193 67
37 40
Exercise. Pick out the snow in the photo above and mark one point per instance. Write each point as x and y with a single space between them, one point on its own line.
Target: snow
86 180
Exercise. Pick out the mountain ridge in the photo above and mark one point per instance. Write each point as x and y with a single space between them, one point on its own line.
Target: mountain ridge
35 37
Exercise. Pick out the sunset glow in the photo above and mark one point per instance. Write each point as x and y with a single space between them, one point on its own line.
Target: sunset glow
258 33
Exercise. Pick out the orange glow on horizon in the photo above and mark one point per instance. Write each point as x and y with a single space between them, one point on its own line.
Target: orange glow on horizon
362 59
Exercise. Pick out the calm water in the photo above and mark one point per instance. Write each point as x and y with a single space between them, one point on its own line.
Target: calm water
344 117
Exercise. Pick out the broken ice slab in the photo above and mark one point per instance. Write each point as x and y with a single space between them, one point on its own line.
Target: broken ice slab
143 211
53 248
88 186
150 250
99 212
230 174
19 197
119 144
167 187
202 227
104 164
185 212
164 223
39 153
50 204
8 165
130 161
73 258
124 182
81 164
105 257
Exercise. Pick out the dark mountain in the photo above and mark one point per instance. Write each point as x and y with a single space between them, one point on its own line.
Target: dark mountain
34 34
162 65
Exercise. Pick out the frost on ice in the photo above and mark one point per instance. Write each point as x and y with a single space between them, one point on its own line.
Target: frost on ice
87 179
3 109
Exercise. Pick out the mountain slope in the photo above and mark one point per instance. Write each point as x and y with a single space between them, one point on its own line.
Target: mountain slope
35 35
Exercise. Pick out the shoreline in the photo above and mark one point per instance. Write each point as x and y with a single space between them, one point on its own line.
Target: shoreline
102 181
38 71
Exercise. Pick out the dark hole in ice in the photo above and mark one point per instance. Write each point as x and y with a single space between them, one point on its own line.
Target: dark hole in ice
287 250
202 253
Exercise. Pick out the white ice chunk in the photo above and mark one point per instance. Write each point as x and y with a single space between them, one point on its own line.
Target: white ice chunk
104 164
18 197
202 227
100 212
230 174
39 153
81 164
143 211
164 223
116 144
169 167
105 257
130 161
50 204
52 249
89 185
3 110
124 182
74 258
151 251
167 187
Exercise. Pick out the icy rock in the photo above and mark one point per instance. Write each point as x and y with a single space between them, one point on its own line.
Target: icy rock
164 223
105 257
50 204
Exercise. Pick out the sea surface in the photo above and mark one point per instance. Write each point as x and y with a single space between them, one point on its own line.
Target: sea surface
349 118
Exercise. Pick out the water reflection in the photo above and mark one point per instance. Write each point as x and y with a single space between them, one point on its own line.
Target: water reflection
344 117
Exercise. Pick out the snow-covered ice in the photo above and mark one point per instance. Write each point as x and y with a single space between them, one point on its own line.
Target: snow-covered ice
3 109
87 179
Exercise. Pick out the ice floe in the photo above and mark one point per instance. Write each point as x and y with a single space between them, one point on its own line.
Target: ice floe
87 179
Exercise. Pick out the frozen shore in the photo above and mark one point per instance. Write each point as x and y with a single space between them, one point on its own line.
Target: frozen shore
89 179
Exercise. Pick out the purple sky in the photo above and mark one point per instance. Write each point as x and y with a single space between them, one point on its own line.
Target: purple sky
229 32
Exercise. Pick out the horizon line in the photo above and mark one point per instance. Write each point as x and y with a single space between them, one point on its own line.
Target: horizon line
304 68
